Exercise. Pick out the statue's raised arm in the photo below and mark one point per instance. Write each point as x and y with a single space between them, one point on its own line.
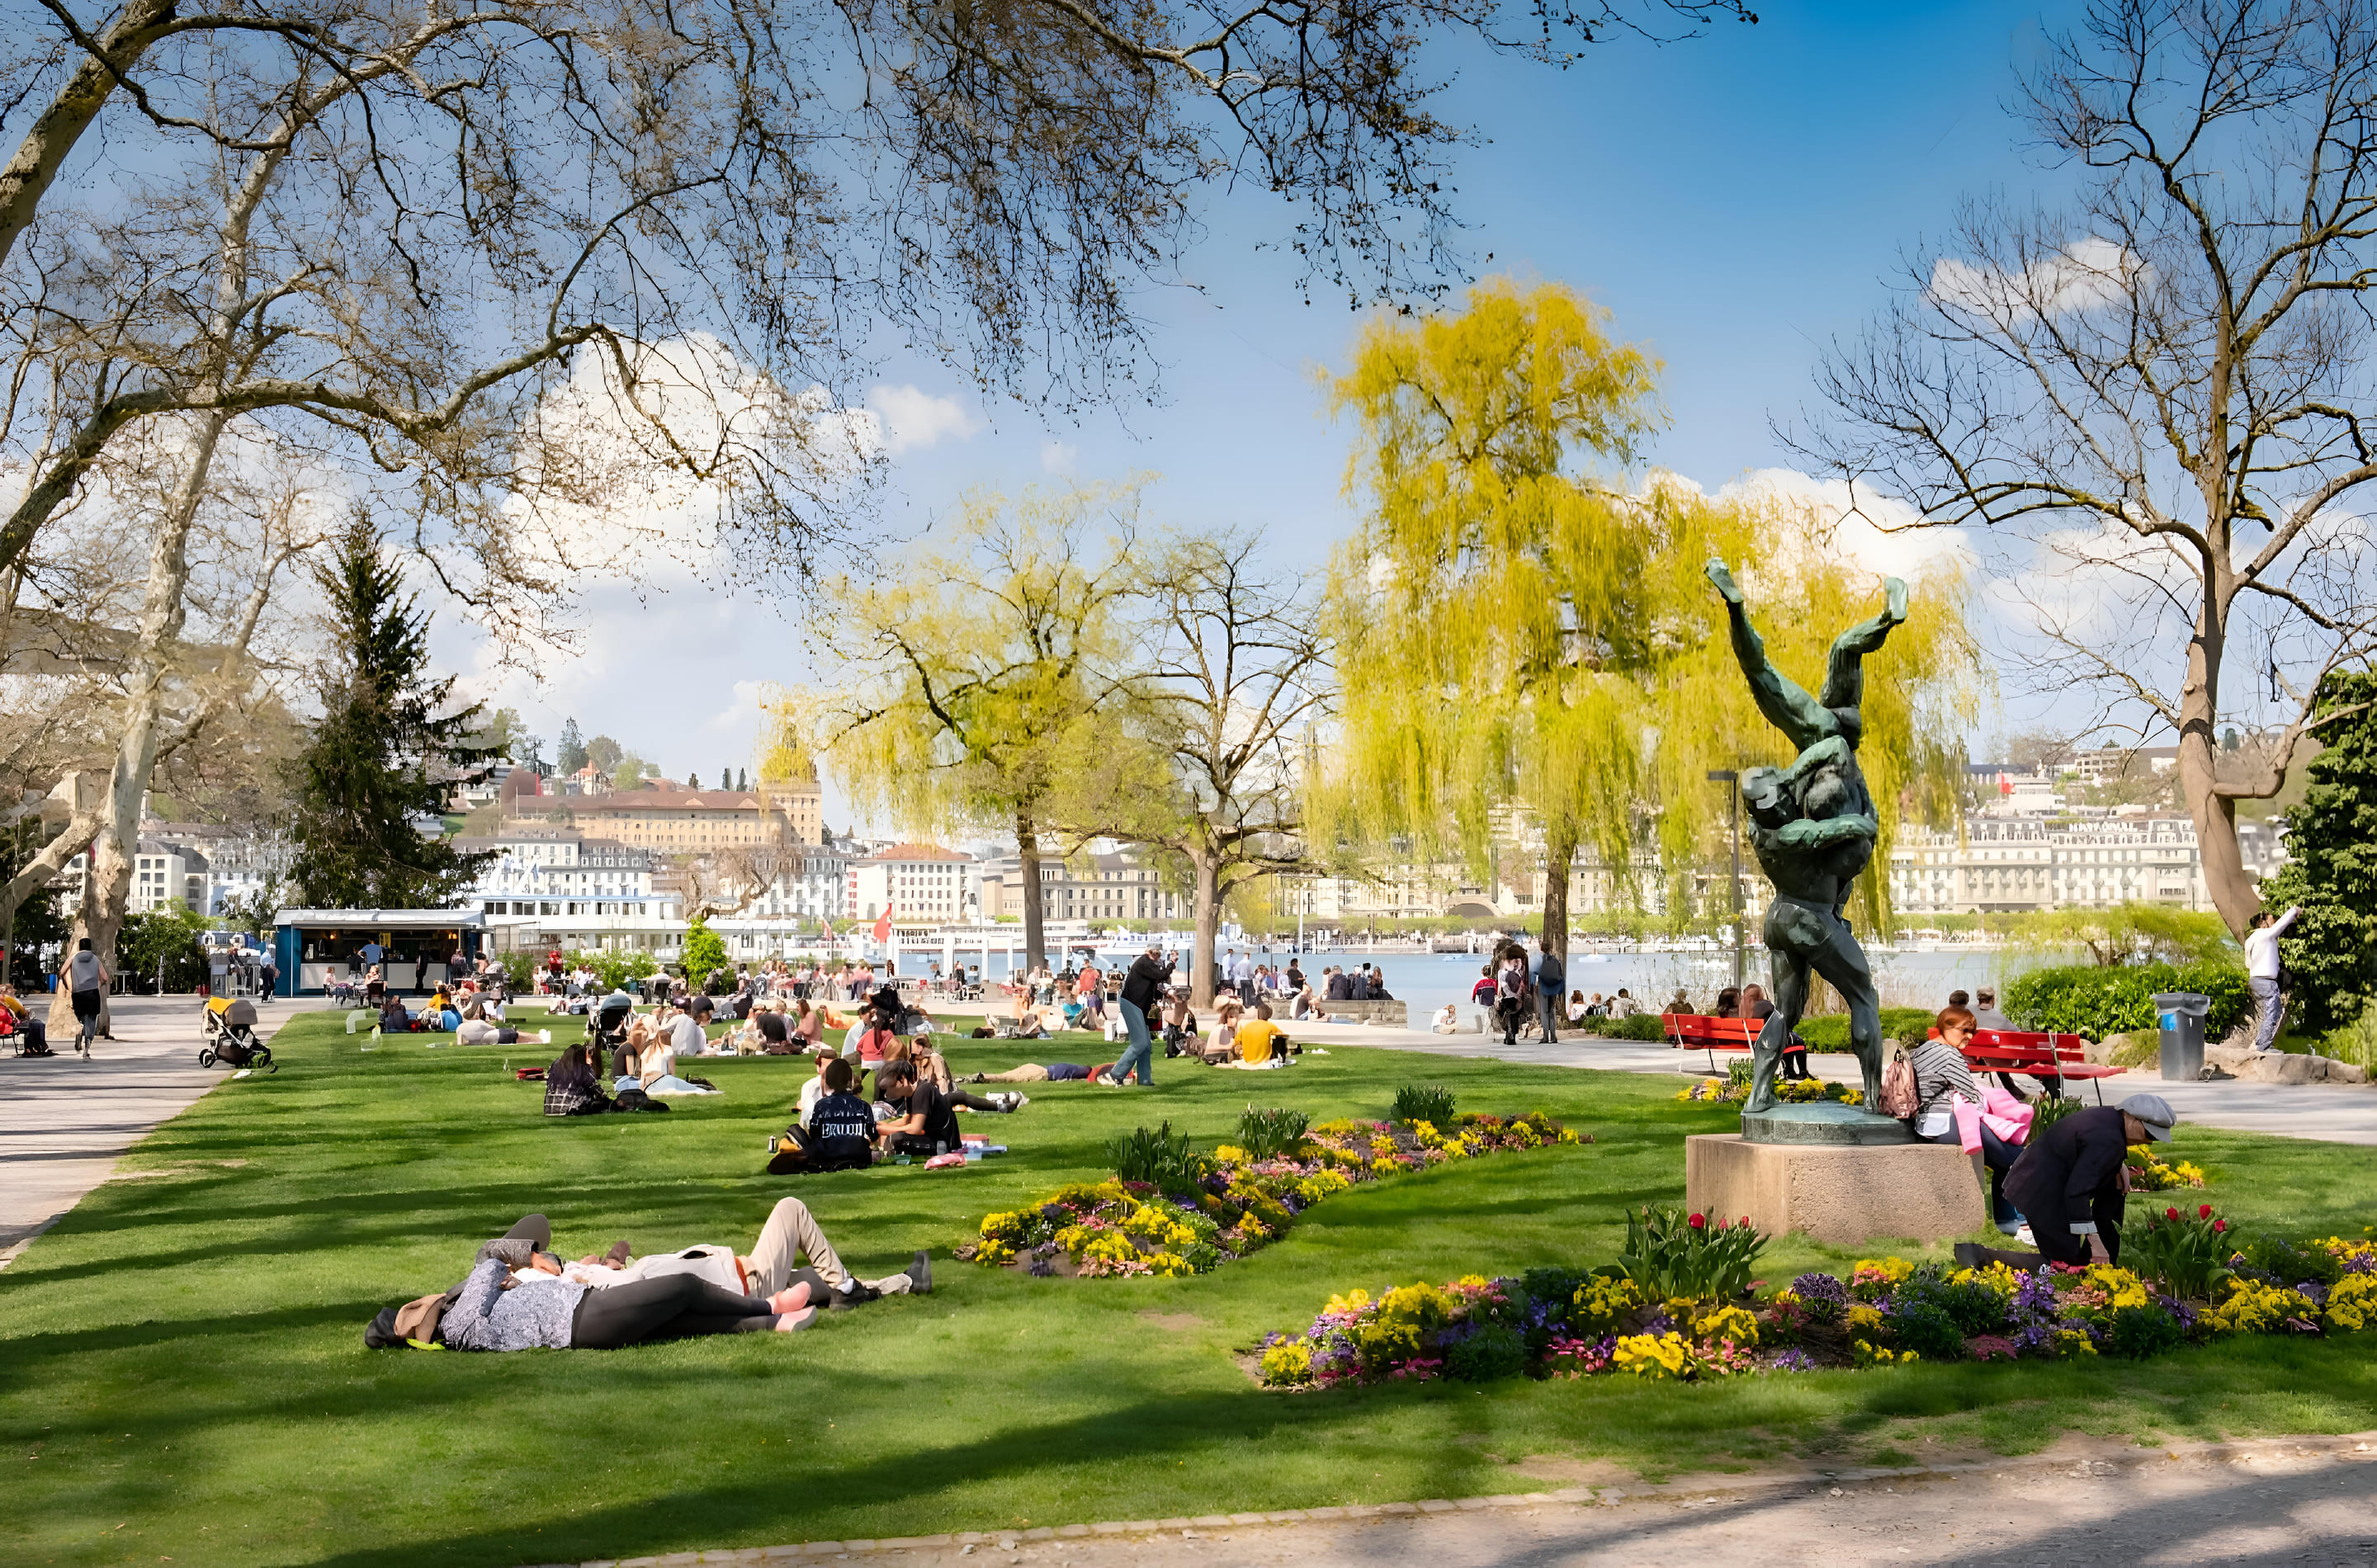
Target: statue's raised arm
1785 702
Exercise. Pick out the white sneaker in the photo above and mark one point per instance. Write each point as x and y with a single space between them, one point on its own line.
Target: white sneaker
2024 1235
1012 1102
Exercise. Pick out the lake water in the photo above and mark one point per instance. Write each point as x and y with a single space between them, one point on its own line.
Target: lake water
1428 981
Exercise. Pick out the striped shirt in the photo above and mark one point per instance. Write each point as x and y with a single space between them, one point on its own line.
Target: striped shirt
1941 1076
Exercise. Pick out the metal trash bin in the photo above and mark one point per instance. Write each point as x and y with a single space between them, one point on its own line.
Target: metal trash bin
2181 1014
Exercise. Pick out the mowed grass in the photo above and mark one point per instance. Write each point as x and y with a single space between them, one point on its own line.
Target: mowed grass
183 1375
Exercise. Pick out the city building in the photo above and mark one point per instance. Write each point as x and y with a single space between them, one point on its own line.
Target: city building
1996 865
675 821
812 883
546 868
914 882
1102 890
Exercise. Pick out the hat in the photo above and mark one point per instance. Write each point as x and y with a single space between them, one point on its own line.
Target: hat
2155 1112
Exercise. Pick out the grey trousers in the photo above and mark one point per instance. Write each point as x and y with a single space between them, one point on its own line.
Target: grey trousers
2269 1012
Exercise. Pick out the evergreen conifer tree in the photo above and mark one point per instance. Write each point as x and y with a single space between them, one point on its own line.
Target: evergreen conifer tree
693 780
385 751
569 752
743 779
2331 868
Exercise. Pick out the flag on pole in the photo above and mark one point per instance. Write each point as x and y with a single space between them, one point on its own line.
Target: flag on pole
883 925
828 928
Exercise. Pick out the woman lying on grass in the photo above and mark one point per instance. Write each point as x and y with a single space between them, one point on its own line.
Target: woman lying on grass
519 1297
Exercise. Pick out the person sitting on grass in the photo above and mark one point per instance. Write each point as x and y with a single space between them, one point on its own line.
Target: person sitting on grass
927 1120
1259 1040
1447 1021
393 1019
836 1133
572 1087
2069 1181
1221 1045
1034 1073
654 1066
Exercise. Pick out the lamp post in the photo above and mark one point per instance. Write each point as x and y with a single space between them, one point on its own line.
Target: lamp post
1732 780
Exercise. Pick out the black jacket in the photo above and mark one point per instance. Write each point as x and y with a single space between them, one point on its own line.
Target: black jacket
1341 986
2072 1172
842 1126
1144 984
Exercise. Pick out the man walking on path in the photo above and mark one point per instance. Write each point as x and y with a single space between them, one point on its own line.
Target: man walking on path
2263 969
1551 985
87 979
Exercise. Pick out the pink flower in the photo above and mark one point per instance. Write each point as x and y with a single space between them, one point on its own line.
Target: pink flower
2219 1225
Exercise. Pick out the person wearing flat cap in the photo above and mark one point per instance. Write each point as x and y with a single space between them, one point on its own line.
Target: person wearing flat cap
2069 1184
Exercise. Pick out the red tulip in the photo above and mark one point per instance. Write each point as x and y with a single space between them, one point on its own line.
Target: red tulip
1698 1221
2219 1225
2170 1214
1745 1222
2203 1211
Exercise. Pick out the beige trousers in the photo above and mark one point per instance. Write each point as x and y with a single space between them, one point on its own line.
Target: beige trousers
1030 1073
790 1234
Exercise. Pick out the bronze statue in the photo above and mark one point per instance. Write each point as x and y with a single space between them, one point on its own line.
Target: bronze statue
1812 826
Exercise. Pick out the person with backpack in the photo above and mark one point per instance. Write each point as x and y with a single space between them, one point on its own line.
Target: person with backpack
87 980
839 1135
1552 977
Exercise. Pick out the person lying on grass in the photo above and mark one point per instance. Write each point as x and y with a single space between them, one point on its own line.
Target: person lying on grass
1034 1073
518 1297
925 1119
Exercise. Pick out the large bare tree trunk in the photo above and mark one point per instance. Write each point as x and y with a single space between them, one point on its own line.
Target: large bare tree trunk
53 136
1208 928
1559 854
2225 877
1035 915
164 610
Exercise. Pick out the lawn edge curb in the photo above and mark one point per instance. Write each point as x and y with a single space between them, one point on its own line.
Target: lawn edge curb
2351 1446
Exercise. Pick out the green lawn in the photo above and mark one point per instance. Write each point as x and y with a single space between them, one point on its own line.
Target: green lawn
183 1376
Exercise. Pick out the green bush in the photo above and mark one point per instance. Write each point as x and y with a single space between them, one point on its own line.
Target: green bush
705 956
2093 1003
1926 1328
1641 1026
2138 1332
1831 1033
1267 1134
1431 1103
1161 1158
1492 1352
168 936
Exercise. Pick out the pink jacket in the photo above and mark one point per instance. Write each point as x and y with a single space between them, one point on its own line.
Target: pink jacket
2004 1114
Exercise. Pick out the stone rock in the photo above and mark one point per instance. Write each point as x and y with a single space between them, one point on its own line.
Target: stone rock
2280 1067
1841 1195
1826 1122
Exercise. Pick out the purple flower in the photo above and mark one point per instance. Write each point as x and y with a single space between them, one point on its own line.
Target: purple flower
1824 1294
2313 1291
1797 1360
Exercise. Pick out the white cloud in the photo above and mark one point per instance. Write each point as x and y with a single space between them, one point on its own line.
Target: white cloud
1877 531
915 418
743 712
2081 276
1059 457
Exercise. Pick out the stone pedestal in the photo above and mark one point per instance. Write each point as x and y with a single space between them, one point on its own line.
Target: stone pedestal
1843 1195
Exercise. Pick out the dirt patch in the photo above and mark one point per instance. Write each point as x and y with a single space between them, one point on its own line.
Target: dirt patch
1175 1322
1570 1471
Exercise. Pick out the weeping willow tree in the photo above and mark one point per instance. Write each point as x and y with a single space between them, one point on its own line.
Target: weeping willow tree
1519 626
979 670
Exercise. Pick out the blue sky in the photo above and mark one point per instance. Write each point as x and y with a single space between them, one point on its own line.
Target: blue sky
1736 200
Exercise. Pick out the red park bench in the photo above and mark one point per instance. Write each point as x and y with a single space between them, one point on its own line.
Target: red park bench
1698 1032
2044 1057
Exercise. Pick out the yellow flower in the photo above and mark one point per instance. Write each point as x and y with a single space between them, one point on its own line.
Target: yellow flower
1865 1319
1601 1301
1867 1354
1352 1301
993 1252
1229 1153
2121 1287
1287 1363
2073 1342
1727 1322
2256 1308
2352 1305
1656 1356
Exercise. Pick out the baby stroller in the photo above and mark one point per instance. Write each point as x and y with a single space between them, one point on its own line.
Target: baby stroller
609 1030
230 1025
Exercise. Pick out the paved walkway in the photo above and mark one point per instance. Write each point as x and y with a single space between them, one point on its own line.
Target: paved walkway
2335 1113
2082 1502
64 1120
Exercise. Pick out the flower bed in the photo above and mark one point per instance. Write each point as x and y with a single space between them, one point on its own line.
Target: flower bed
1733 1089
1230 1204
1566 1323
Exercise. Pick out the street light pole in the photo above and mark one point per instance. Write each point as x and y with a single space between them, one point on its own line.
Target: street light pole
1728 777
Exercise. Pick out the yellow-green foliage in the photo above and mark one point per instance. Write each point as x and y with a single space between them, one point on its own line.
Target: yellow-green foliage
1521 618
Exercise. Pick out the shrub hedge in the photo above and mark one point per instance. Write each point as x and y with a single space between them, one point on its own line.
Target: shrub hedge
2094 1002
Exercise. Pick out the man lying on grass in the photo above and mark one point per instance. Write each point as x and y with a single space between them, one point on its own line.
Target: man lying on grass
519 1296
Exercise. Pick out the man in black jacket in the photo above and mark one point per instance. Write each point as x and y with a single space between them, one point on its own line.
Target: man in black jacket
840 1134
2069 1184
1140 990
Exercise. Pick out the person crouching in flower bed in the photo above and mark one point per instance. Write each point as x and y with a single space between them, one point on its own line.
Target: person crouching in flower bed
2070 1183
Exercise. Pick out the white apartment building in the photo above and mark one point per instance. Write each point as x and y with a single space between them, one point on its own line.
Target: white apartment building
1101 890
543 869
812 883
203 867
2008 864
914 882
